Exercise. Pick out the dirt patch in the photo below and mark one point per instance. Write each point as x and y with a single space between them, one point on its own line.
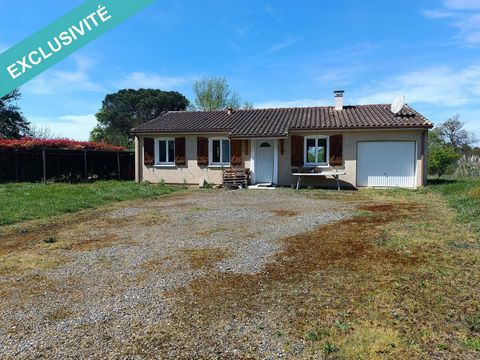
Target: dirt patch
205 258
286 213
475 193
94 243
60 314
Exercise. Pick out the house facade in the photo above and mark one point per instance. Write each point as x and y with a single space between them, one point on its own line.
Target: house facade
372 146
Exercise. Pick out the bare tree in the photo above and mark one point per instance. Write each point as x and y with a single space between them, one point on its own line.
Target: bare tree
42 132
453 133
215 94
247 105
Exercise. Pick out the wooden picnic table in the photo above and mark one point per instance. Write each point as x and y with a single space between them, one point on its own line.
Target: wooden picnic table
334 173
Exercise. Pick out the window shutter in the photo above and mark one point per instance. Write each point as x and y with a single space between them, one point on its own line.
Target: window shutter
180 151
202 151
297 151
148 151
336 150
247 147
236 149
282 146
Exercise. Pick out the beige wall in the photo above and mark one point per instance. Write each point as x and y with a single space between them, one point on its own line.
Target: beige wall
193 174
350 140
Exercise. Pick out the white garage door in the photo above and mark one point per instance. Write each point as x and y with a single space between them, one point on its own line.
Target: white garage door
386 163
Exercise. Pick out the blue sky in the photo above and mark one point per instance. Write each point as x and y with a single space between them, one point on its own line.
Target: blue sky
273 53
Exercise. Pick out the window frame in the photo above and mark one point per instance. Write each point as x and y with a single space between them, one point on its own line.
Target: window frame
169 162
327 151
210 152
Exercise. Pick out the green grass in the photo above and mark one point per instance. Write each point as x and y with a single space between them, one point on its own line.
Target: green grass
26 201
463 195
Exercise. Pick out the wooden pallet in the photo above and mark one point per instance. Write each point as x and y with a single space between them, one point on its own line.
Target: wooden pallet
236 177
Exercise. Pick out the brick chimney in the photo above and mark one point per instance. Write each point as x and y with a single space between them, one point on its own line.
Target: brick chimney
339 99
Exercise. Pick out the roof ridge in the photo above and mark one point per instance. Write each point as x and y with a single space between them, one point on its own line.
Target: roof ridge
275 108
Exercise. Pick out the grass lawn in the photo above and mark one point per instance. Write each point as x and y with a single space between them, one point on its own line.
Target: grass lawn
26 201
462 195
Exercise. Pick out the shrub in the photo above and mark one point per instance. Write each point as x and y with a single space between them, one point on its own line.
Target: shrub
440 158
30 143
468 166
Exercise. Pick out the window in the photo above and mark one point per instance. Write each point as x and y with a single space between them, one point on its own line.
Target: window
316 150
219 152
165 152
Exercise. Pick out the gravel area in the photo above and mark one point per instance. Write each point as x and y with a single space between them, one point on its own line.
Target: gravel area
115 282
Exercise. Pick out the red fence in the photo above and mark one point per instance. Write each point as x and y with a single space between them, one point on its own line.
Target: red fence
71 165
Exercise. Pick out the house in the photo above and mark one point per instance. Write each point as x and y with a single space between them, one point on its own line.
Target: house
373 146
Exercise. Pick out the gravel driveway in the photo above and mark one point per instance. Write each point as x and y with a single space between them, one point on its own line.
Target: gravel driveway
121 268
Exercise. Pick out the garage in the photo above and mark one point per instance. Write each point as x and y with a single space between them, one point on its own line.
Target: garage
386 164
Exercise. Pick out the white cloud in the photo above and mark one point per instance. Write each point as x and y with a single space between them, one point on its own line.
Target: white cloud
438 14
462 4
469 27
79 79
293 103
438 85
138 80
75 127
60 81
464 15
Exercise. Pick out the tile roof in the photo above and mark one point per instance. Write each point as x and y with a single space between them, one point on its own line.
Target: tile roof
278 122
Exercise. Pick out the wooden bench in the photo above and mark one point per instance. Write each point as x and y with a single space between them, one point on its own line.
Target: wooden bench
334 173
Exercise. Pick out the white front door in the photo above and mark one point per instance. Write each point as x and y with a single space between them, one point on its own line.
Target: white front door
264 161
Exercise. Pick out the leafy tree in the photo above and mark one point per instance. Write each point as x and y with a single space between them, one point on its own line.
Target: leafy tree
215 94
128 108
453 133
13 124
440 155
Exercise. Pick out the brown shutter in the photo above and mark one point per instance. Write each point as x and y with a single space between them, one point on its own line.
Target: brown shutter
336 150
148 151
180 151
282 147
236 152
297 151
247 147
202 151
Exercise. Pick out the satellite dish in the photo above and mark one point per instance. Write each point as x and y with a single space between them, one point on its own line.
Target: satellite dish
398 104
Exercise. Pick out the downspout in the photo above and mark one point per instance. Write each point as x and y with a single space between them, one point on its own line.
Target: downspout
138 159
425 157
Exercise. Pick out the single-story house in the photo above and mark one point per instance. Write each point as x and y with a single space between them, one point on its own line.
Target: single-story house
371 145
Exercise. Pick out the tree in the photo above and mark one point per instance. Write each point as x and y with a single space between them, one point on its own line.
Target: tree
440 155
453 133
247 105
42 132
13 124
215 94
128 108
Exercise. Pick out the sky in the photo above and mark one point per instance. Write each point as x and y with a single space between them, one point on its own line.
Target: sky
273 53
